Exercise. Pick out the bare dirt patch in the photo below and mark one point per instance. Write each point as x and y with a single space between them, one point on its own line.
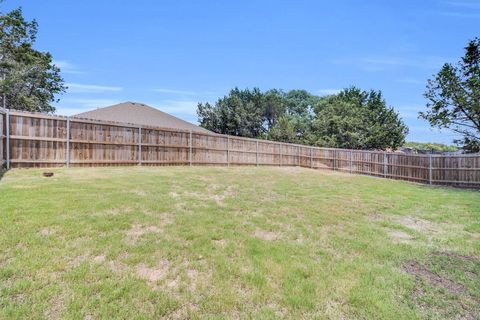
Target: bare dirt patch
139 192
153 274
266 235
420 225
399 236
137 230
214 192
441 291
220 242
419 271
99 259
46 232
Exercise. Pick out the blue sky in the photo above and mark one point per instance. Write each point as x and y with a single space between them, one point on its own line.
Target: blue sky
173 54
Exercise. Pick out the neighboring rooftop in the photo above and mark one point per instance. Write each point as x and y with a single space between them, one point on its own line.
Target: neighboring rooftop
141 114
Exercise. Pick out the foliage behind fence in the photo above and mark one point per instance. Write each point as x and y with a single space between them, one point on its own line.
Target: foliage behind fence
39 140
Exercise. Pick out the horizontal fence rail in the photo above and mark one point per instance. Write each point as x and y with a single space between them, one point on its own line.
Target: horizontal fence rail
39 140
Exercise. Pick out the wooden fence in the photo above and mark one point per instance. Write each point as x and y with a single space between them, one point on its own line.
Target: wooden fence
39 140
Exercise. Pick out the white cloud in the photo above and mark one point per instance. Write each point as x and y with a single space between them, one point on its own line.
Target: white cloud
328 91
461 14
177 107
380 63
91 88
409 112
67 67
472 4
174 91
411 81
85 104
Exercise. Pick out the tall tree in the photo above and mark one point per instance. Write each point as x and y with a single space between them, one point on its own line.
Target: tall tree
454 98
240 113
357 119
29 79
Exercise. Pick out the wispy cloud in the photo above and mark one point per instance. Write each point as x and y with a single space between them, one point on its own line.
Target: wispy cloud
178 107
67 67
328 91
87 103
174 91
461 14
467 4
380 63
461 9
410 111
91 88
412 81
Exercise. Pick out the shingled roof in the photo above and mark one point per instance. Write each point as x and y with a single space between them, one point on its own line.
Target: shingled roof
141 114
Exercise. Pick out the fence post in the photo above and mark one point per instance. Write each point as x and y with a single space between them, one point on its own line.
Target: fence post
311 158
139 146
256 153
430 168
385 164
190 148
7 131
334 159
351 165
228 151
280 154
68 143
298 156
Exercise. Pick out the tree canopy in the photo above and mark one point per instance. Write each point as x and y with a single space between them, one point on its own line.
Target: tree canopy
29 79
454 98
351 119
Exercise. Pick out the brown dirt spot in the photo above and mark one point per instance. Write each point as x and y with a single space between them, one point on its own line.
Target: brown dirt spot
46 232
214 193
137 231
55 307
154 274
420 272
117 266
266 235
139 192
75 262
456 256
399 236
419 225
99 259
220 242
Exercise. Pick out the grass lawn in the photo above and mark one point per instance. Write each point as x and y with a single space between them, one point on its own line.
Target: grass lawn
263 243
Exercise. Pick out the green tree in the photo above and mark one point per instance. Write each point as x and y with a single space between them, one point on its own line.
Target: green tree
357 119
29 79
296 119
240 113
454 98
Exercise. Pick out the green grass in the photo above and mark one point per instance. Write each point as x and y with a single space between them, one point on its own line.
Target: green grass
263 243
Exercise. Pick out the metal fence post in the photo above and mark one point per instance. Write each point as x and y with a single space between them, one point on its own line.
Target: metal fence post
298 156
385 164
280 154
190 148
334 159
351 165
68 143
430 168
256 153
311 158
139 146
228 151
7 131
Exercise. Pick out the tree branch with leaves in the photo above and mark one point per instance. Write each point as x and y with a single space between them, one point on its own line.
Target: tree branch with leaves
454 98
